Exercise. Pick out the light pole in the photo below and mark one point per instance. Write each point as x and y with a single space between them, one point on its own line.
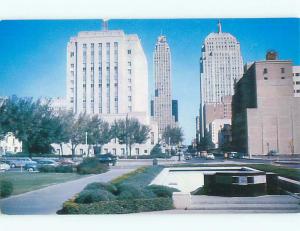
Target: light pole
86 143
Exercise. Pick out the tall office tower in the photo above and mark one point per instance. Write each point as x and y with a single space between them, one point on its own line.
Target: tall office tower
107 74
163 87
221 65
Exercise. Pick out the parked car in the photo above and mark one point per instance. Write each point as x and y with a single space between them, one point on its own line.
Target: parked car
210 156
4 166
107 158
187 157
67 162
272 153
40 163
19 162
232 155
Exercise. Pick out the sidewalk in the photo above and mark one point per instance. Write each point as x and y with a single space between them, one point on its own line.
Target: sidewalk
50 199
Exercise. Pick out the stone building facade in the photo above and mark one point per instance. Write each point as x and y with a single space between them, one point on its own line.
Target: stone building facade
266 115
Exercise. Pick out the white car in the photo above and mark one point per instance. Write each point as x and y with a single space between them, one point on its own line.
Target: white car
4 166
210 156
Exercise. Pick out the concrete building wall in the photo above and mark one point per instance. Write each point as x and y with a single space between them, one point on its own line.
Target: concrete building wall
296 79
10 144
268 110
215 128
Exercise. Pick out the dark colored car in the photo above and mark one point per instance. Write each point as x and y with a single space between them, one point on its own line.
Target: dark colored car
107 159
39 163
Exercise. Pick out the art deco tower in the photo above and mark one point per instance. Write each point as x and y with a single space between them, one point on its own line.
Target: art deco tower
221 64
163 86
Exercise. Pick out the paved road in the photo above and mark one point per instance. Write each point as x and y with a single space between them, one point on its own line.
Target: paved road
50 199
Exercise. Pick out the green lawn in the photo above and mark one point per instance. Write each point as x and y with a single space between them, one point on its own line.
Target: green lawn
25 182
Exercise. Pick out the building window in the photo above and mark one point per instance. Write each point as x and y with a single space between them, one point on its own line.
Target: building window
282 70
72 54
129 64
265 78
129 98
282 77
298 91
297 82
129 52
129 71
137 151
152 138
265 70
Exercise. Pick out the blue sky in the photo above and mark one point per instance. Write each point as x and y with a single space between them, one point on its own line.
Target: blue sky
33 53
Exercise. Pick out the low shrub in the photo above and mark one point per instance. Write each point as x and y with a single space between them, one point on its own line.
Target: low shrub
64 169
91 166
101 185
162 191
118 206
91 196
6 188
47 169
130 192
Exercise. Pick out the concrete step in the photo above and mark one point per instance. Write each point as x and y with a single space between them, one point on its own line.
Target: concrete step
294 207
264 200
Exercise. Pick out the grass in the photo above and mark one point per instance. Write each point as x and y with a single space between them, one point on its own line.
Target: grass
287 172
25 182
141 177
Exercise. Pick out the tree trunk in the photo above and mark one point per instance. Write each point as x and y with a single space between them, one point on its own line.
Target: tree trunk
73 152
61 150
126 154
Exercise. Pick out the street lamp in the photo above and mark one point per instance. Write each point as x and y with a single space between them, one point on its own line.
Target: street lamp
86 142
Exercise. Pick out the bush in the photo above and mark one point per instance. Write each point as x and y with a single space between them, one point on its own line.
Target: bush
91 196
162 191
127 191
6 188
47 169
118 206
91 166
64 169
103 186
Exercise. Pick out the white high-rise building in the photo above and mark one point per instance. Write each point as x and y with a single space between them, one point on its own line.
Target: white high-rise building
221 65
296 80
107 75
163 85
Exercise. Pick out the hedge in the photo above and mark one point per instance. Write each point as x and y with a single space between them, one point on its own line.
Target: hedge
101 185
118 206
140 177
6 188
162 191
91 166
95 195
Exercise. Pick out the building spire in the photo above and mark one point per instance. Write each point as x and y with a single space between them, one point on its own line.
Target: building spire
105 24
219 26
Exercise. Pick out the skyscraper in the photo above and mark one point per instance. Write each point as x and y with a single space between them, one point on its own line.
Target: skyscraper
221 65
163 85
107 74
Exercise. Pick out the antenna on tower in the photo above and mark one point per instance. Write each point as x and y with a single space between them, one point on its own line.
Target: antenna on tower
219 26
105 24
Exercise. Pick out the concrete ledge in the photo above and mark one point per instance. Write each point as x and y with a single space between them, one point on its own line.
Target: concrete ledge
182 200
